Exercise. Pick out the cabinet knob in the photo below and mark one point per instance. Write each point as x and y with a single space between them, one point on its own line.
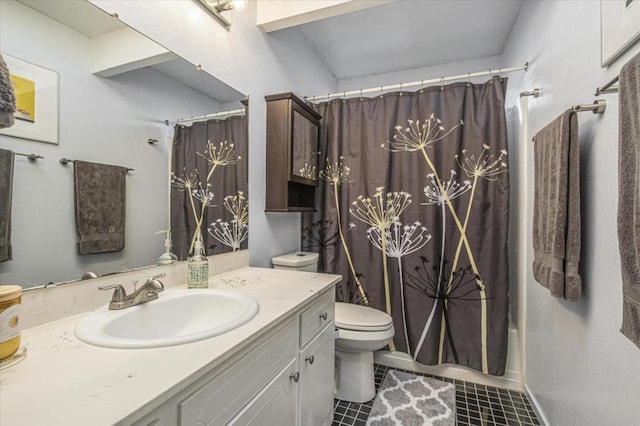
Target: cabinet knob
309 359
295 376
323 316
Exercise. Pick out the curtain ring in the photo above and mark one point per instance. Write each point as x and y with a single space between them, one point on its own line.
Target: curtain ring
421 86
400 90
468 79
442 83
344 96
361 95
381 91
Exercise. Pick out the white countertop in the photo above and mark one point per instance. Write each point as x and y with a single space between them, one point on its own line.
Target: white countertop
63 381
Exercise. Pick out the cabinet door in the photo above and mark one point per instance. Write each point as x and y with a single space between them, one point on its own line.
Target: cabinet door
275 404
221 398
316 379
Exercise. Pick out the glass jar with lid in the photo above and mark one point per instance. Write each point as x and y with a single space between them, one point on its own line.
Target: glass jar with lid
10 306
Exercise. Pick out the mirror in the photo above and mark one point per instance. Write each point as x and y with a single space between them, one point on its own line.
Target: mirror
305 147
111 109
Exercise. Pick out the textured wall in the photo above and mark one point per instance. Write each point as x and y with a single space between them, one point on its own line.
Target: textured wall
579 367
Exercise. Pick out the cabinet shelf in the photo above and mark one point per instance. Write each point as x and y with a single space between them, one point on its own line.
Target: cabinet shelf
293 132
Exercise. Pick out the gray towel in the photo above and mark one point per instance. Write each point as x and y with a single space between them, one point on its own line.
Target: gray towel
7 97
6 186
99 206
556 208
629 196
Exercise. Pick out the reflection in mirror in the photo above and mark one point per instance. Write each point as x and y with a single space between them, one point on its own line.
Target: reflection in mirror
116 90
210 182
304 148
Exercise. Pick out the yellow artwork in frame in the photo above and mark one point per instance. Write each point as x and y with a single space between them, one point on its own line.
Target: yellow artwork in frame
25 91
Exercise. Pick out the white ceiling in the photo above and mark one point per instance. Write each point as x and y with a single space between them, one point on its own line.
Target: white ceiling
411 33
91 21
81 16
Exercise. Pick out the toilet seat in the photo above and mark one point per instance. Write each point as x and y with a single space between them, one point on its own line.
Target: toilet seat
361 318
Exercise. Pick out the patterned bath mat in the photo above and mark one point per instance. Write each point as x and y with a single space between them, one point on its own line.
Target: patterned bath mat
409 400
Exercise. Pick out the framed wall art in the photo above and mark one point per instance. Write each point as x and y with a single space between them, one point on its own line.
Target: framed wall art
36 89
619 27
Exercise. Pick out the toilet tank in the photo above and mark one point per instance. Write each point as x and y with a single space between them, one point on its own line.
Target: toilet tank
298 261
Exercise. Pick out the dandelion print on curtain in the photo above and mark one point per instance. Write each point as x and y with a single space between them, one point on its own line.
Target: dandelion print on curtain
413 213
209 186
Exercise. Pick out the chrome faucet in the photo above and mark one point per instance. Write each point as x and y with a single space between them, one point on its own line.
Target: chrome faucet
147 292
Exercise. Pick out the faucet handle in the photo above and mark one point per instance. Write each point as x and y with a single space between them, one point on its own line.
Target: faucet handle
155 283
155 277
118 295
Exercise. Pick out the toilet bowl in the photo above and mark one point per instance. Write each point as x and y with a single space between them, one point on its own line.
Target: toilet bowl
360 330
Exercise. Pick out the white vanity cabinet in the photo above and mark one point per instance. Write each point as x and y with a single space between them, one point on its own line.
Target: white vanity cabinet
284 377
316 380
316 360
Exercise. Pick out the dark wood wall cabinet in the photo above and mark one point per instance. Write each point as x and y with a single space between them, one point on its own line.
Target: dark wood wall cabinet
293 132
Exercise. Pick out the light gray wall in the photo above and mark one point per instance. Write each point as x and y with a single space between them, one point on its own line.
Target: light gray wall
256 64
579 367
102 120
422 73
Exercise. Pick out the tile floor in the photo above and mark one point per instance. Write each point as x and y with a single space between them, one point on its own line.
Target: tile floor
476 405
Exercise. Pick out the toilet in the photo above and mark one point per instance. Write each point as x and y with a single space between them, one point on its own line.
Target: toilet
360 330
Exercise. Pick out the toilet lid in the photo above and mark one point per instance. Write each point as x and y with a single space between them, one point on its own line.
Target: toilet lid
361 318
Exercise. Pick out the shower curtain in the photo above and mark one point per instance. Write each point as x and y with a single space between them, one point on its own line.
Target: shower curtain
412 211
209 185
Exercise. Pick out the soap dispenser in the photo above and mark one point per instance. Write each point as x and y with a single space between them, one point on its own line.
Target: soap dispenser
167 257
198 266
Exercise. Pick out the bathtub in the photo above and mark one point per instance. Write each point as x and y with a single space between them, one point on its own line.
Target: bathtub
512 379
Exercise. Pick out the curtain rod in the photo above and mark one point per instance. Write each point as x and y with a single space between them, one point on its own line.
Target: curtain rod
417 83
201 117
31 157
607 87
65 161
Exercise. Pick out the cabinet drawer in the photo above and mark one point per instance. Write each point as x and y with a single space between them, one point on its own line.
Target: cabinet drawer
275 404
224 396
316 317
165 415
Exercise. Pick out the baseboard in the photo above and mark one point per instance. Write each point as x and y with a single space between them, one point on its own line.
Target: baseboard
511 379
536 407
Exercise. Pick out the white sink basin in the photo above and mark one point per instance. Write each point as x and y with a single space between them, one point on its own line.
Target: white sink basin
176 317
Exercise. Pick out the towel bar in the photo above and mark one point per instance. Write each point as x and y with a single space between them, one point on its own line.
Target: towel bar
31 157
608 87
598 106
65 161
535 93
